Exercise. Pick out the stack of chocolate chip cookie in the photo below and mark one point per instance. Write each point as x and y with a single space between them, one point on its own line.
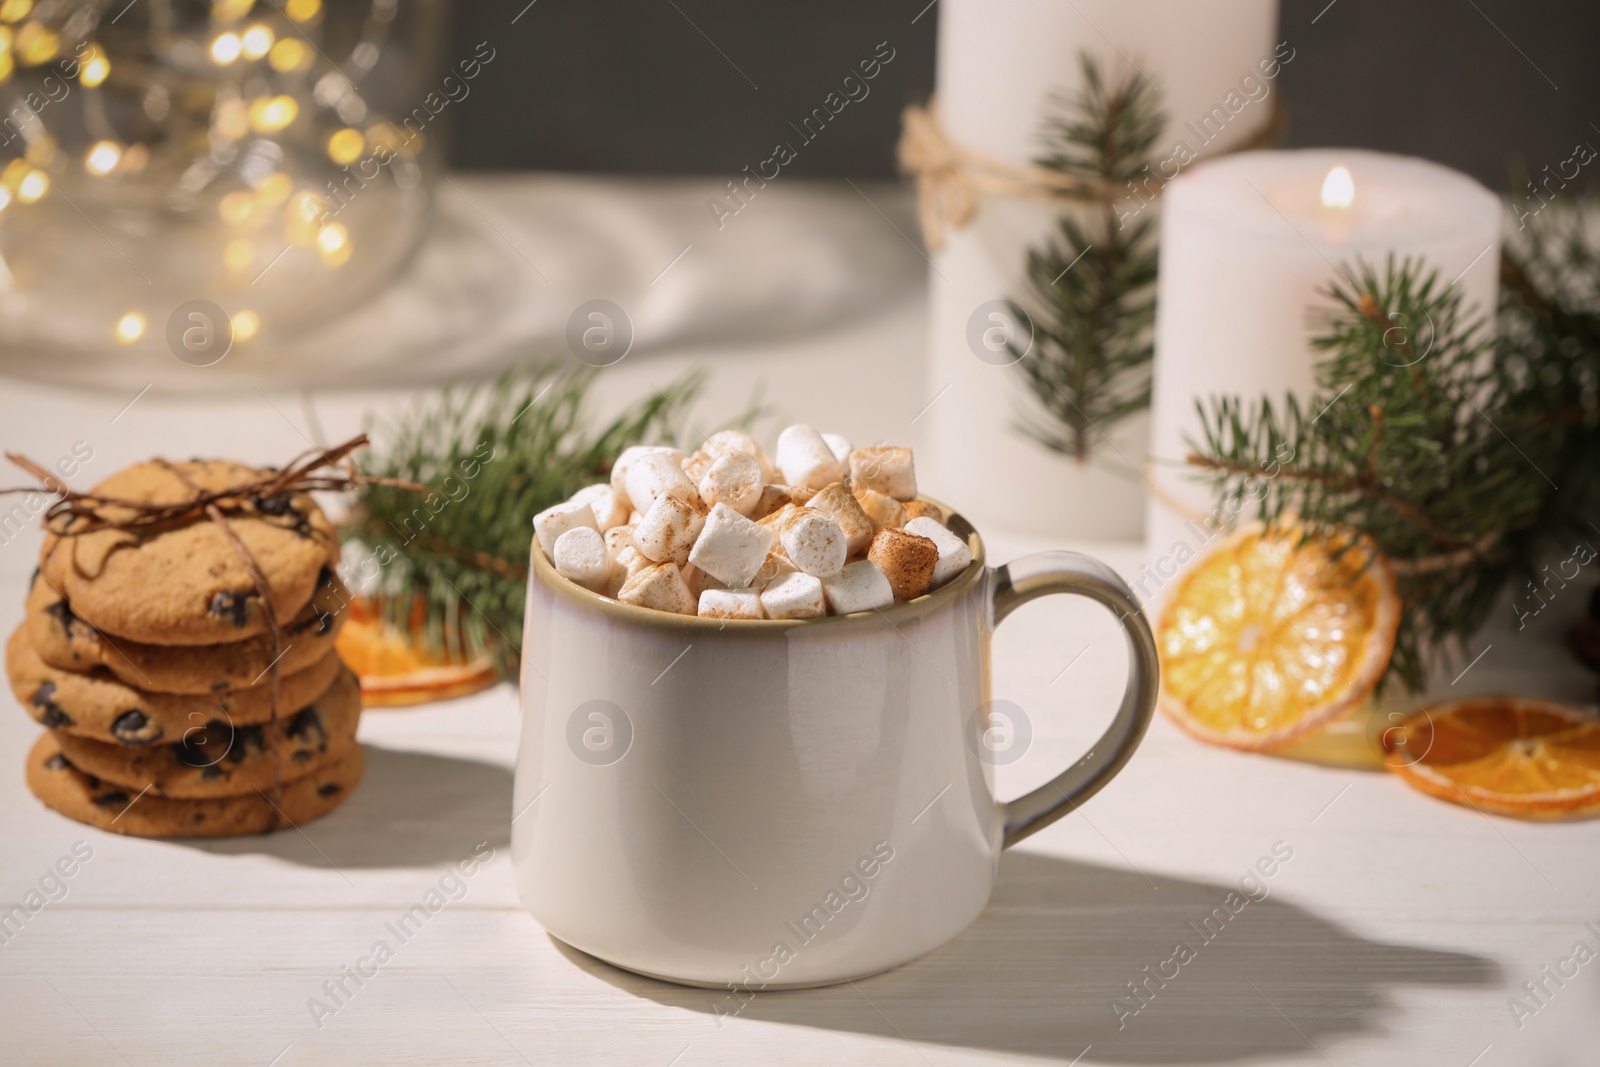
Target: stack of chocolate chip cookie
147 652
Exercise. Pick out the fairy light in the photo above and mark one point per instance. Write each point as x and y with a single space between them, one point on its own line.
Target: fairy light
36 44
33 186
103 158
246 324
42 152
275 189
333 237
231 10
345 146
272 113
15 171
130 327
5 197
232 120
333 244
256 42
302 10
96 67
303 219
15 10
238 254
225 49
380 135
7 65
288 55
236 208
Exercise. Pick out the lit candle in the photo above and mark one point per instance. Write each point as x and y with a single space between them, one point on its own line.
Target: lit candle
1249 244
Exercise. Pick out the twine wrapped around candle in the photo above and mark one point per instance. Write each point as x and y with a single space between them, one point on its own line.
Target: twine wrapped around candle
74 514
950 177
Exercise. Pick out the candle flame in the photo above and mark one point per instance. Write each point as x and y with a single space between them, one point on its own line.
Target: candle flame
1338 188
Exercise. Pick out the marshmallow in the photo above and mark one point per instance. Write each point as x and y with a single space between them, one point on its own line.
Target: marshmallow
906 560
860 586
954 554
698 581
778 518
660 587
731 604
668 529
841 448
696 465
734 479
886 470
656 474
626 561
619 469
813 542
617 538
794 596
885 512
580 556
556 520
836 502
730 547
774 497
610 507
806 460
922 509
776 565
724 441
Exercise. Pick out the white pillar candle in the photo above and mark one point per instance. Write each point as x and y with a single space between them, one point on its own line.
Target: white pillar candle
1001 66
1248 248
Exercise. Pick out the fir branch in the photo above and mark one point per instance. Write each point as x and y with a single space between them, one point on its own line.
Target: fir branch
493 455
1092 288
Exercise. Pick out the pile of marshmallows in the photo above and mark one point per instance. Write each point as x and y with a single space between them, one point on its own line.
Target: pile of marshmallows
717 534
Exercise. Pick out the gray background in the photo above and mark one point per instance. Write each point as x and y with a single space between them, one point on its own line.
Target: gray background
665 86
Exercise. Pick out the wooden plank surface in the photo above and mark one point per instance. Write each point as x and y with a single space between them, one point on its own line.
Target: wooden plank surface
1396 933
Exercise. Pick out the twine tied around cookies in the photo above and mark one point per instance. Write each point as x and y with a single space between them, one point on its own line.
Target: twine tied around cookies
951 178
75 513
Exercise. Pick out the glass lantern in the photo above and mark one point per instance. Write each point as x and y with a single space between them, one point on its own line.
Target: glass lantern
205 178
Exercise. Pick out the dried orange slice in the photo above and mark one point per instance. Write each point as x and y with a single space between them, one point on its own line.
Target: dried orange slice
1526 758
1273 634
396 668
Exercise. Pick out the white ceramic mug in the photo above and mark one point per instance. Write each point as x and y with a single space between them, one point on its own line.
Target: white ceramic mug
766 804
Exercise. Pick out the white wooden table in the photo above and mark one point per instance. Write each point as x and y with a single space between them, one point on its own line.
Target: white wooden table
1395 934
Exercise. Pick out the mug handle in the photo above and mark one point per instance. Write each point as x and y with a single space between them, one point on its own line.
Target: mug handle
1039 575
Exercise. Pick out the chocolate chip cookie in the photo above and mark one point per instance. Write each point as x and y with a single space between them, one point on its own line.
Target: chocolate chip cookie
88 799
223 758
64 638
185 582
97 704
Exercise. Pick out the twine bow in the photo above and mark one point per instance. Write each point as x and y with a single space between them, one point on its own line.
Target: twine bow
74 514
951 177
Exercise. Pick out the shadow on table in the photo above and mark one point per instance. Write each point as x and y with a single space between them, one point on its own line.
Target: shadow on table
1039 971
412 809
